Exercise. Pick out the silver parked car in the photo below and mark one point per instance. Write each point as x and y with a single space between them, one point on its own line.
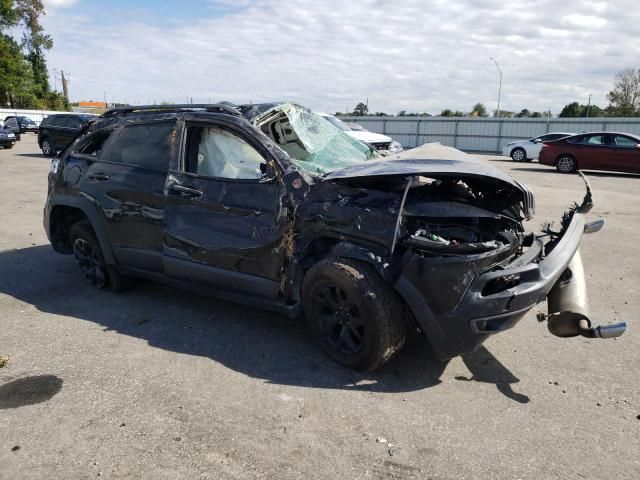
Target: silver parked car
527 150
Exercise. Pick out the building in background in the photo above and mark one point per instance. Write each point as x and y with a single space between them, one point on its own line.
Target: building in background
90 107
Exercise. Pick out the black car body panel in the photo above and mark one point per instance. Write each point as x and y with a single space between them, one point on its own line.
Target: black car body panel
445 233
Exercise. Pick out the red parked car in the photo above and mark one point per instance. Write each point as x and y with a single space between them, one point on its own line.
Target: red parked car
593 151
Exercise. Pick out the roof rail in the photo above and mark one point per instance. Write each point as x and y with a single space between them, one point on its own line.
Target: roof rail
209 107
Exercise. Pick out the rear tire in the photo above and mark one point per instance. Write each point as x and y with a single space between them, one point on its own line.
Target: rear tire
8 147
519 155
354 315
566 164
89 255
48 148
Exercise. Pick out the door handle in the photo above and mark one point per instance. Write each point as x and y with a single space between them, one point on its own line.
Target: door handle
185 191
101 177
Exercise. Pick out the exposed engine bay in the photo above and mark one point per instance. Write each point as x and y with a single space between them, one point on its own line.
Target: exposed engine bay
449 216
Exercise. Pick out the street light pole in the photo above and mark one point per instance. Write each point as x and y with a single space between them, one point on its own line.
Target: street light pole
500 84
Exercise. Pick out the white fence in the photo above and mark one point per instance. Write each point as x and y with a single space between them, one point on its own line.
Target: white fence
35 115
486 135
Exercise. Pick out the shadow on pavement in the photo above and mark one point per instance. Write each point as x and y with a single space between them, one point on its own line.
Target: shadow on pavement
257 343
29 391
486 368
33 155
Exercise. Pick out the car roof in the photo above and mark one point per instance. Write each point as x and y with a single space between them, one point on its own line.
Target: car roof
626 134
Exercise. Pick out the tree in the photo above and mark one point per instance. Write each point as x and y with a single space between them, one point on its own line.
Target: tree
446 113
503 113
571 110
574 109
23 69
479 110
361 109
524 113
35 41
624 99
536 115
402 113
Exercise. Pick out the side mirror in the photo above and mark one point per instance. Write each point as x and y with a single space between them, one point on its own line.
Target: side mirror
537 140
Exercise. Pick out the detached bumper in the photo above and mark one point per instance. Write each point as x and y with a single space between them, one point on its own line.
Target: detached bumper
480 304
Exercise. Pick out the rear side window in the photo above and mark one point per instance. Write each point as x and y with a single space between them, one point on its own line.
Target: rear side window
71 122
145 146
622 141
56 121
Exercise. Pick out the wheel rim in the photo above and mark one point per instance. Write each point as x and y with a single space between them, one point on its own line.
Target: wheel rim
90 263
565 164
46 147
339 319
518 155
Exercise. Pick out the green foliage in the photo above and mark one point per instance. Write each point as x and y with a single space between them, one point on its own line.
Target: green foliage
23 69
624 99
361 109
479 110
574 109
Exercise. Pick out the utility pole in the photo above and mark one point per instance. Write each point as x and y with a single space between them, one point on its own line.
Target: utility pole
588 105
65 86
500 84
55 80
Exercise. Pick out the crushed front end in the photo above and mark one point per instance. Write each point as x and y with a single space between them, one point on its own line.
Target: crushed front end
468 269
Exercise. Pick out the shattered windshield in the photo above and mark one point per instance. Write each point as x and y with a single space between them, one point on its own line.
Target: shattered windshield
314 143
336 122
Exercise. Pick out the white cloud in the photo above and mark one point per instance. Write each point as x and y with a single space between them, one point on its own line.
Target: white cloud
59 3
406 55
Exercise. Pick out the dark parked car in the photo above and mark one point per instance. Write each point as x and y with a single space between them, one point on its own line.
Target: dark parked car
25 123
56 131
11 124
279 209
594 151
7 138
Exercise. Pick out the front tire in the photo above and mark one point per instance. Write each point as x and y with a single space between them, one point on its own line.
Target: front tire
566 164
88 253
357 319
47 147
518 155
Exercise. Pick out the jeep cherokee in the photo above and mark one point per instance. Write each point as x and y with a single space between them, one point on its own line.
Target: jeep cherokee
273 206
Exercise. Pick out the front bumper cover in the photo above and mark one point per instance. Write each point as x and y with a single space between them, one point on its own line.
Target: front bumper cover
493 301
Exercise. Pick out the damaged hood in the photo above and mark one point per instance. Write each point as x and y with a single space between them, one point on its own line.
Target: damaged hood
430 160
434 160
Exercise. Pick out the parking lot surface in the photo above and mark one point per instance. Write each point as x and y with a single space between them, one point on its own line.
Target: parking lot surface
164 384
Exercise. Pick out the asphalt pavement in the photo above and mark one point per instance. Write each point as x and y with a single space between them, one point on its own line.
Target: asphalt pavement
163 384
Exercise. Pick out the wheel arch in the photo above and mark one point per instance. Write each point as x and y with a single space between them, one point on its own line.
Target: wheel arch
323 247
67 210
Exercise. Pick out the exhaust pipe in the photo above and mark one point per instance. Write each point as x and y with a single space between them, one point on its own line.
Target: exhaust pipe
568 309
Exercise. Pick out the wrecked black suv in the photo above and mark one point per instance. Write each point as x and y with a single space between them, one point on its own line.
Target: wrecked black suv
273 206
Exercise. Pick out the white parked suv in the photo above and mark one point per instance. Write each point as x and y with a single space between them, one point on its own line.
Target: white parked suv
527 150
383 144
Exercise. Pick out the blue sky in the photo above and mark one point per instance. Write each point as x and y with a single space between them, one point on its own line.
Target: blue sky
416 55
